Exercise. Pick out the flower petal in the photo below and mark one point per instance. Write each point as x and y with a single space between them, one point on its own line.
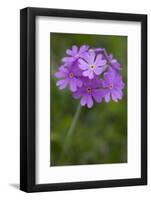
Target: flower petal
86 72
86 56
110 56
99 50
83 64
89 101
73 85
77 94
60 74
114 97
109 76
117 94
69 52
99 61
79 82
63 69
99 70
62 83
98 58
91 57
83 100
74 49
91 74
83 49
68 59
97 95
115 64
107 97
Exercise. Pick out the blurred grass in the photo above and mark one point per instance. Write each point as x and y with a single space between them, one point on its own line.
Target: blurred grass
100 135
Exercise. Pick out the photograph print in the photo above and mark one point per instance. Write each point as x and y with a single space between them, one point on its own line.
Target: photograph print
88 104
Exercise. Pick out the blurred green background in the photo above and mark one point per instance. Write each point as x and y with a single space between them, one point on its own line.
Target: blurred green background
100 135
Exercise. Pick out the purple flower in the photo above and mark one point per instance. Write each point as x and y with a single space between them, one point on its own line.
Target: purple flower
89 91
80 71
112 62
97 50
112 85
74 53
69 76
92 64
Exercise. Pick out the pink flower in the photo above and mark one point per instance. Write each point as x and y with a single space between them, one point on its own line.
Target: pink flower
89 91
92 64
91 74
74 53
113 86
69 76
112 62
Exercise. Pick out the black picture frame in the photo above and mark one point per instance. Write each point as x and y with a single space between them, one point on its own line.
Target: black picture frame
28 98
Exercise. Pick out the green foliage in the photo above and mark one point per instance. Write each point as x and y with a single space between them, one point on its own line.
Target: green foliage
100 135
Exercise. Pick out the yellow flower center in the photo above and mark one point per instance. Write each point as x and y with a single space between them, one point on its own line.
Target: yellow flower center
71 75
92 66
111 86
88 89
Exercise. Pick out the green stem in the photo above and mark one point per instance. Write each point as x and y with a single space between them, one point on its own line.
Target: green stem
71 128
74 121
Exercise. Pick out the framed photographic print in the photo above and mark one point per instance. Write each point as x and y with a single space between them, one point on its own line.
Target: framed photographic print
83 98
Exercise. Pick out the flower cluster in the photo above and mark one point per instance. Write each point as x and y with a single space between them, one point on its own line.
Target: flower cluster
91 74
